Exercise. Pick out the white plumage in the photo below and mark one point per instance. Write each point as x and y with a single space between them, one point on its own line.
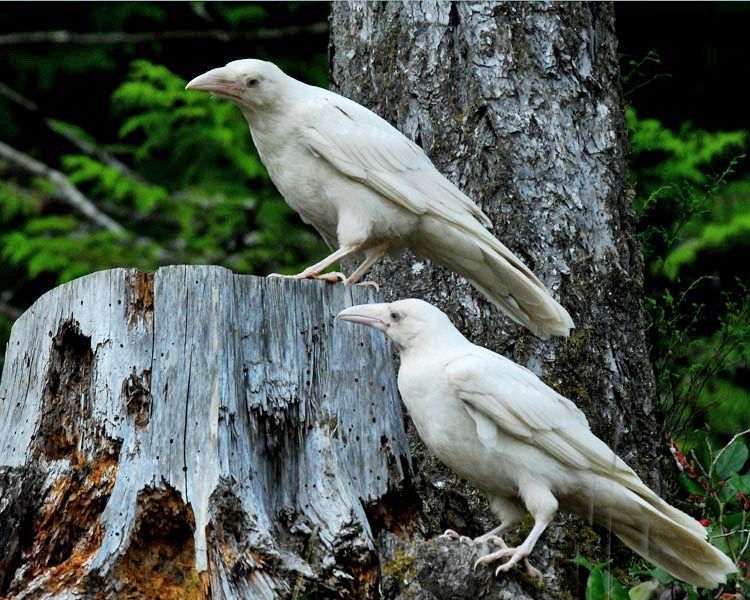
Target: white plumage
366 188
527 447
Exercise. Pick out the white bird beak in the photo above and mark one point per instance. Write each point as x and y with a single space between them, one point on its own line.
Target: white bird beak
219 81
372 315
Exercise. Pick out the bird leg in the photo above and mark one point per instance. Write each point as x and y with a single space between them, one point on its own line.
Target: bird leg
315 271
373 255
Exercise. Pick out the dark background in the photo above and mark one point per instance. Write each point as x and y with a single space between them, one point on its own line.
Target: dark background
685 71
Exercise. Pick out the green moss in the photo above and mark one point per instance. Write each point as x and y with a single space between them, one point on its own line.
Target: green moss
401 566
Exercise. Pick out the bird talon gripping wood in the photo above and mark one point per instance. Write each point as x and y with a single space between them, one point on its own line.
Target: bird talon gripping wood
366 188
527 447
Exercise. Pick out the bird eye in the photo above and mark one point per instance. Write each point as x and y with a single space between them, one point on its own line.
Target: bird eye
395 316
252 82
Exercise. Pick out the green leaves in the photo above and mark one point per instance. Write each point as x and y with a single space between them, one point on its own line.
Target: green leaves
189 184
601 585
731 459
684 153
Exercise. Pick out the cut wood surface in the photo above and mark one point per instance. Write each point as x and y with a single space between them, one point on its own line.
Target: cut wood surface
194 433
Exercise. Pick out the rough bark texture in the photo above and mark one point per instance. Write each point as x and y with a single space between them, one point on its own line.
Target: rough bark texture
195 434
519 104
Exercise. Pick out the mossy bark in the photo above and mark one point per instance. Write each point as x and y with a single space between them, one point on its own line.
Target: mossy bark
519 104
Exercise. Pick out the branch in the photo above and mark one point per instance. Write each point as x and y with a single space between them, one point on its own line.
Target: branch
72 196
122 37
83 145
68 192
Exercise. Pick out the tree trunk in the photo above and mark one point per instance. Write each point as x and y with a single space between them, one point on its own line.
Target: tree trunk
195 434
519 104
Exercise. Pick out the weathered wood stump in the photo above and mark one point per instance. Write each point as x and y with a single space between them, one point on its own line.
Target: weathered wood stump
194 433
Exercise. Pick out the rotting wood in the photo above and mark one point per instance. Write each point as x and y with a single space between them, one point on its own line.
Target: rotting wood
194 433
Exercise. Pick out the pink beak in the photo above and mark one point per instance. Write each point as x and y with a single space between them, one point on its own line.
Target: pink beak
219 81
372 315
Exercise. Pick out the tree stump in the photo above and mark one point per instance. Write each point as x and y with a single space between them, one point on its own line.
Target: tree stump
195 433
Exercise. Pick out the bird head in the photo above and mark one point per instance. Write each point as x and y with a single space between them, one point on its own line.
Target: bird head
250 83
406 322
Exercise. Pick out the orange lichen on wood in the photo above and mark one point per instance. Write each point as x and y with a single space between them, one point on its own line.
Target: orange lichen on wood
67 531
160 561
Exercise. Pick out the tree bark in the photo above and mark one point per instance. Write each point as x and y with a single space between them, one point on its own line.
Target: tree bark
519 104
196 434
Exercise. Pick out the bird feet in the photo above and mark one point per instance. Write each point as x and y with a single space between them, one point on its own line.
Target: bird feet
455 536
515 554
332 277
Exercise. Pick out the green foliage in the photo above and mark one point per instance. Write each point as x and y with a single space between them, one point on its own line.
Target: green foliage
696 369
691 204
197 192
601 585
692 207
675 195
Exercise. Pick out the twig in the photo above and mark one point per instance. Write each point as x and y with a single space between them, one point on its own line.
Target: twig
14 96
122 37
722 535
68 192
720 452
81 144
72 196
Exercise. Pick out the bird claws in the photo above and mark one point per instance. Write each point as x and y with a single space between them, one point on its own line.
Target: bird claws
515 554
371 284
455 536
533 572
493 556
494 539
332 277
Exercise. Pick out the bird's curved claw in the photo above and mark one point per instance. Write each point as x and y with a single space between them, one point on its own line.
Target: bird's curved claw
332 277
515 554
508 564
376 286
533 572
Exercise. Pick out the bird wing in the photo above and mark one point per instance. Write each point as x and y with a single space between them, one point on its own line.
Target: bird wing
362 146
501 394
367 148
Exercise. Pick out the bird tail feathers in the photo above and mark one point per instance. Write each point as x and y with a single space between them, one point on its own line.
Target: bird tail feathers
668 538
495 271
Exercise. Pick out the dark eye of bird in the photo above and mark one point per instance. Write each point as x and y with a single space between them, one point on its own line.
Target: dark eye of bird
395 316
252 82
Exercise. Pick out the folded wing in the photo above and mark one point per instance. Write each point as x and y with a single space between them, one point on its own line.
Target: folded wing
364 147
